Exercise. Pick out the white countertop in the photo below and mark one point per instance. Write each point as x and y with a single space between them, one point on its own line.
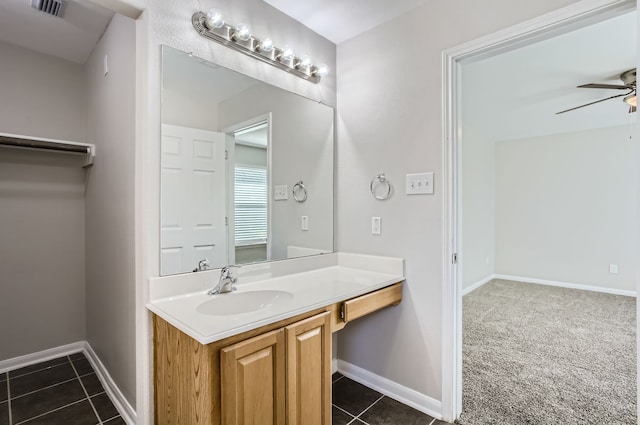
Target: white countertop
316 282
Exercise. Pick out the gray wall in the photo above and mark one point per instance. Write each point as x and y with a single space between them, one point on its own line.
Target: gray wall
565 208
41 205
526 205
41 95
110 210
478 213
389 91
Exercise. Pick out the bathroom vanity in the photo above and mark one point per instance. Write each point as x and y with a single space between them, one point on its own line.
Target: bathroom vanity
269 365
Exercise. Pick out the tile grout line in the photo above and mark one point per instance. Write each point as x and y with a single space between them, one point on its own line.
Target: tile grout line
361 413
339 378
111 418
341 409
85 391
26 421
45 388
9 400
32 372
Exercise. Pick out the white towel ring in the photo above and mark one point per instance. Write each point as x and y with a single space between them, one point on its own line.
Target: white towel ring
383 182
299 192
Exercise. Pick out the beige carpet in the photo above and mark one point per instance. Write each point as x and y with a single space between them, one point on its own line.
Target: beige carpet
535 354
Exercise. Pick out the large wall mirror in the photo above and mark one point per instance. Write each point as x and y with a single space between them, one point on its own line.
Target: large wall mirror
246 169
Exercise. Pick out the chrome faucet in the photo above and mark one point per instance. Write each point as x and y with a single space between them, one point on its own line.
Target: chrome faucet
203 265
226 281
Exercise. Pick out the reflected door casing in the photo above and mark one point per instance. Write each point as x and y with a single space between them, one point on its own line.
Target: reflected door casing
193 187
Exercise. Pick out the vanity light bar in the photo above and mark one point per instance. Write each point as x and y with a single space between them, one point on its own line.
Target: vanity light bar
238 38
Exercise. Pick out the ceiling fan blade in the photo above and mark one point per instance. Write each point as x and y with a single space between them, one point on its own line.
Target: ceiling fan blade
606 86
593 103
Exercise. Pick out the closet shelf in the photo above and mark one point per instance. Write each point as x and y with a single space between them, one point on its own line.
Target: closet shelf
39 143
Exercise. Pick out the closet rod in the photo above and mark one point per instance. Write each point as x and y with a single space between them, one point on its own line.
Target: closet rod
27 142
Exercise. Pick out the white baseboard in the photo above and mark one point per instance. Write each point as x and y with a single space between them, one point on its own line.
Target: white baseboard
478 284
119 401
41 356
392 389
127 412
334 366
567 285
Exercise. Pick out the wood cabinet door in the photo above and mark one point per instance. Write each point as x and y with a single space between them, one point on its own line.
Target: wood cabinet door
253 381
309 371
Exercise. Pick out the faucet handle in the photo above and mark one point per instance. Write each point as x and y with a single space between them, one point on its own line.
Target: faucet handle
227 272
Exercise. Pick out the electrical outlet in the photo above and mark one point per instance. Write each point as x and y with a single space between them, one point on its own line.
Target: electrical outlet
613 268
304 222
376 225
419 184
280 192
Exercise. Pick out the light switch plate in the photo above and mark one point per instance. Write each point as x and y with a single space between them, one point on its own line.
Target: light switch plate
280 192
419 184
304 222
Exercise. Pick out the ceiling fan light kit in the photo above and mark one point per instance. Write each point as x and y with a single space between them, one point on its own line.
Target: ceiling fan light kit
629 84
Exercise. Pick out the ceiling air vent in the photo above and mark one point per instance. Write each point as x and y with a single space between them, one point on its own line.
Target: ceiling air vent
50 7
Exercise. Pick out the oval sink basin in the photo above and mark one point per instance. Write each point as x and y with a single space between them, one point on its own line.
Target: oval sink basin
242 302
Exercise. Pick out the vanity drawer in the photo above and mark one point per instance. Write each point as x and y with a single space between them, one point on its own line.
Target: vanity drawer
368 303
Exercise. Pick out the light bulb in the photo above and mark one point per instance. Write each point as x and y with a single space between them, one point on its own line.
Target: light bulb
631 100
321 71
242 32
286 54
304 63
214 19
265 45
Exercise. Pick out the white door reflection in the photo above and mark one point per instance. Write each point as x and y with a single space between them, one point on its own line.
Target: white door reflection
193 212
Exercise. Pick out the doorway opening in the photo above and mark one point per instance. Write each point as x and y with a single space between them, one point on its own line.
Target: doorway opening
534 31
249 203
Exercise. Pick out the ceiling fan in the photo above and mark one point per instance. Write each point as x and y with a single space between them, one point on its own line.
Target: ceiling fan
630 98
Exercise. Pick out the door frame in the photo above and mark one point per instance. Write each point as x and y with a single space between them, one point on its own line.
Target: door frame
229 132
572 17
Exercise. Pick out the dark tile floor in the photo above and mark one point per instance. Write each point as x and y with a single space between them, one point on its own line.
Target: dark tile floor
65 391
356 404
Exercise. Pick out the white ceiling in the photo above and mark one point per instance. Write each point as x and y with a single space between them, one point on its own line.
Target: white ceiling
516 94
340 20
71 37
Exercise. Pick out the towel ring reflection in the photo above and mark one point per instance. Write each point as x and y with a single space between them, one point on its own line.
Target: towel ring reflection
380 181
299 192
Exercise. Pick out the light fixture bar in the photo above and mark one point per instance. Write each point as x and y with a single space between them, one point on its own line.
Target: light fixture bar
226 35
